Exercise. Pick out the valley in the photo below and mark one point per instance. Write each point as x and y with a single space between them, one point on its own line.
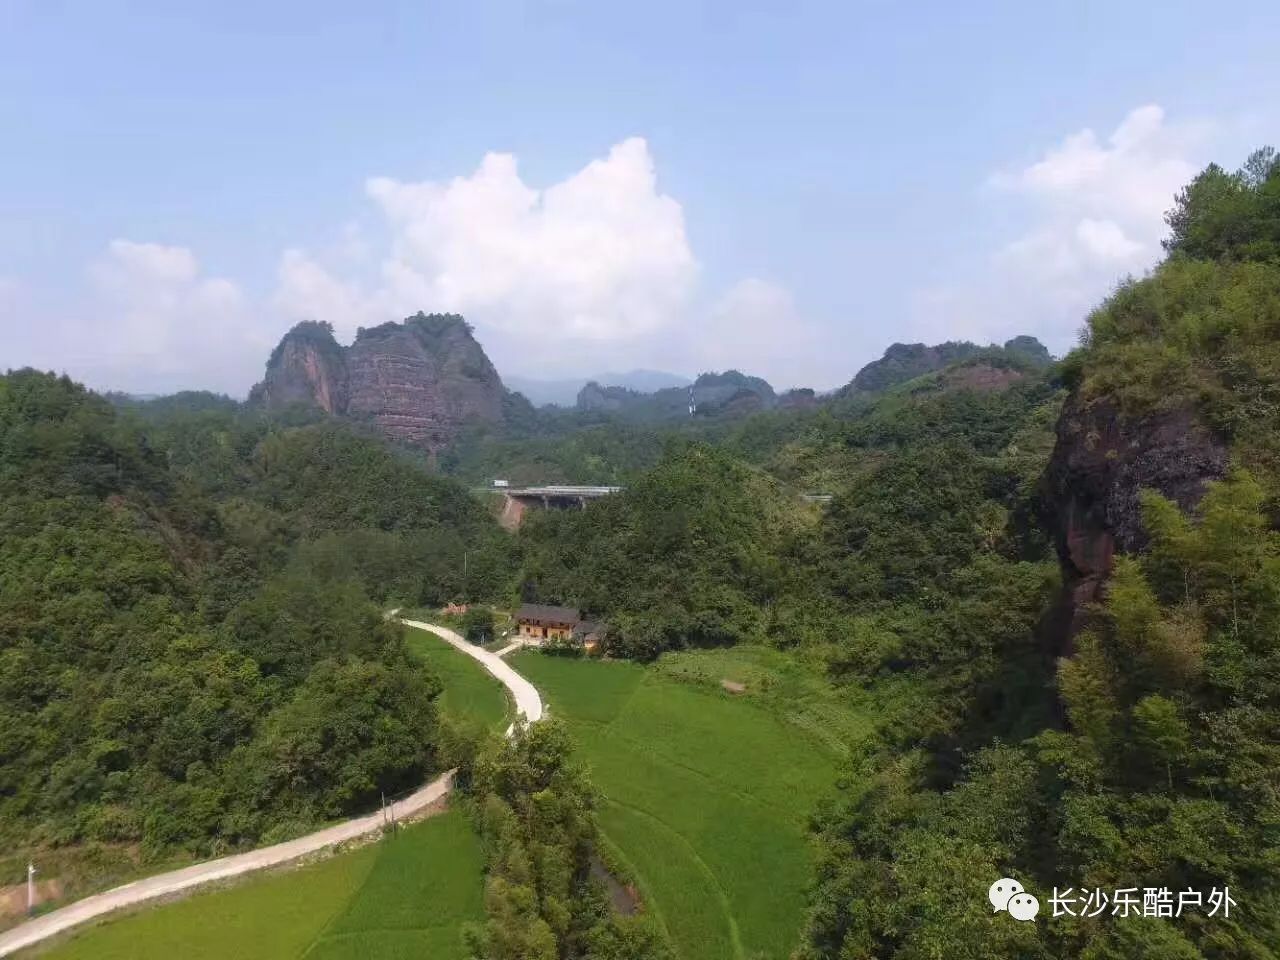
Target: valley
705 794
1028 630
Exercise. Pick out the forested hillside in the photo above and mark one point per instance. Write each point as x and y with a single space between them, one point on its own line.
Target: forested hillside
1159 769
1049 712
190 652
615 441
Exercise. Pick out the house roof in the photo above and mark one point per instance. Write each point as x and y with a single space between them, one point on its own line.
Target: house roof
541 613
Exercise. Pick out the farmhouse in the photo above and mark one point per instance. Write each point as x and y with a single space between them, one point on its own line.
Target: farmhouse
539 622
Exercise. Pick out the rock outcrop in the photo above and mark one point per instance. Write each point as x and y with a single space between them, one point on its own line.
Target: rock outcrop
1101 461
307 367
418 381
980 377
906 361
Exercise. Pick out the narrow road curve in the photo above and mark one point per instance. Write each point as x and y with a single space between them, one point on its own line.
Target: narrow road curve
528 702
528 705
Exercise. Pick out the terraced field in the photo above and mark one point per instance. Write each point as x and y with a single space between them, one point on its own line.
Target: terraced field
706 794
406 896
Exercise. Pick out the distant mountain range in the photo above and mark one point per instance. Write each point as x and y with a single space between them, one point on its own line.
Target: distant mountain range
421 381
564 393
727 394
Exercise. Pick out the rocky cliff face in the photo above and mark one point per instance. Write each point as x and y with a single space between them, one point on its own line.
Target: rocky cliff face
307 367
1101 461
418 381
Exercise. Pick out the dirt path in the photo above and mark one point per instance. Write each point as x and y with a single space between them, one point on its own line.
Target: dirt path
528 705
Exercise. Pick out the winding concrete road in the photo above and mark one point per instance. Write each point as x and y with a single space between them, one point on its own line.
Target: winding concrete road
528 702
528 705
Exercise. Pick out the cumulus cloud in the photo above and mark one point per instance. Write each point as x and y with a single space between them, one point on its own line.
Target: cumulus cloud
755 326
156 319
589 273
600 256
1095 210
1103 202
1131 176
307 291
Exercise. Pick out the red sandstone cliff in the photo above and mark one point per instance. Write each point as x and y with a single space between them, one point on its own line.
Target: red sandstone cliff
418 381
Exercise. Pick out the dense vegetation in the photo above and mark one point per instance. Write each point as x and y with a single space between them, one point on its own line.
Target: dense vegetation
190 652
1162 773
1145 758
535 810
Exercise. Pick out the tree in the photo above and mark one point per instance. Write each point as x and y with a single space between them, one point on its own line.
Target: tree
1224 215
478 625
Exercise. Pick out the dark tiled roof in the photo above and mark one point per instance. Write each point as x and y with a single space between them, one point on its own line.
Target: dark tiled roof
541 613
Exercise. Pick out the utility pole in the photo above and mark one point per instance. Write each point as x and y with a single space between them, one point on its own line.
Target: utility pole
31 888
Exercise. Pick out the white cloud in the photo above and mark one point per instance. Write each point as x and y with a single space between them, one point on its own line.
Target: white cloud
601 256
1095 209
307 291
756 327
590 273
157 321
1128 181
1105 240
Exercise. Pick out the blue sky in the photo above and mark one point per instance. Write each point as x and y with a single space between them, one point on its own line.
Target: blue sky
786 188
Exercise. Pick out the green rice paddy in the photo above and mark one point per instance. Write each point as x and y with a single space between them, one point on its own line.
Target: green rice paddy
407 895
706 794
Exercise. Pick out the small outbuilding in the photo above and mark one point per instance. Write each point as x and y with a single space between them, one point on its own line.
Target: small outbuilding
537 621
588 635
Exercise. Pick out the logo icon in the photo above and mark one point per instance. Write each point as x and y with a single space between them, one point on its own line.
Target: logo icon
1008 894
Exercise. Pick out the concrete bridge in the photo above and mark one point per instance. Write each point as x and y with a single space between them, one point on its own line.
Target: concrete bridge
549 497
564 497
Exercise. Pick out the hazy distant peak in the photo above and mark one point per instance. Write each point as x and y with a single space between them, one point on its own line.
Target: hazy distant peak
906 361
564 393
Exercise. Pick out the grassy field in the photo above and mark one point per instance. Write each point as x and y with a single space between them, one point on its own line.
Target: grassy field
405 896
470 692
707 793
